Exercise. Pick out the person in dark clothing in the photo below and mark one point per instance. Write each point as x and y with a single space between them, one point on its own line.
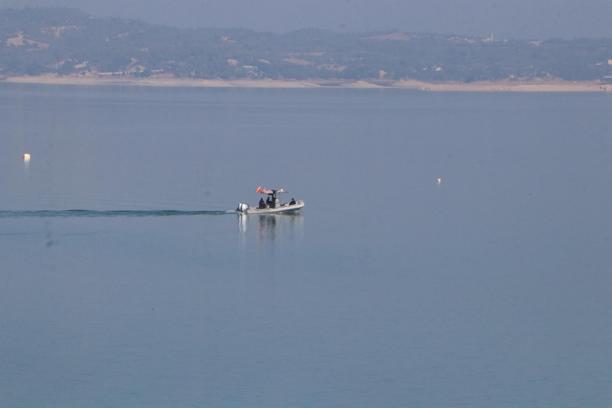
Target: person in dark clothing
269 201
292 202
262 203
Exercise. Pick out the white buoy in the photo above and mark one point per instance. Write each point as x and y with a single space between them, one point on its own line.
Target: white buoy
439 180
27 157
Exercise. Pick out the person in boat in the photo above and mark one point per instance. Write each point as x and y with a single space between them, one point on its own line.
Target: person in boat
262 203
269 202
273 199
292 202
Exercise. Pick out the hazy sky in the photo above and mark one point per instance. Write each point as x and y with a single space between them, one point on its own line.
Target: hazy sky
504 18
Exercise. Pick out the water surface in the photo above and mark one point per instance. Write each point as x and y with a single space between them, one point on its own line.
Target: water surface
491 289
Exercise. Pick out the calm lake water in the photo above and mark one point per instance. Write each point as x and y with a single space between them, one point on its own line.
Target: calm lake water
490 289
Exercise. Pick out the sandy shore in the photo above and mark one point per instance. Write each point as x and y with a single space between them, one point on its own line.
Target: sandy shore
167 81
508 86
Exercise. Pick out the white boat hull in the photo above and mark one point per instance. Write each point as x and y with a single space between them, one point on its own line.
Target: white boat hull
284 208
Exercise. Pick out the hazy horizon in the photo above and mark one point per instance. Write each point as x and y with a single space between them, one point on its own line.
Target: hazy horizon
535 19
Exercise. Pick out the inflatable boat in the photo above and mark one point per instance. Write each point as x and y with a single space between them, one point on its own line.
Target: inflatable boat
272 204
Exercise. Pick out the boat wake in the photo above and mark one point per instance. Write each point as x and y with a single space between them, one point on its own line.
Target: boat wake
112 213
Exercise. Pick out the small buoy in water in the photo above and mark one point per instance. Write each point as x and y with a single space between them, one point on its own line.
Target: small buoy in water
439 180
27 157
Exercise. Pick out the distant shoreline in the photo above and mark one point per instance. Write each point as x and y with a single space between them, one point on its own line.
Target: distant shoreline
543 86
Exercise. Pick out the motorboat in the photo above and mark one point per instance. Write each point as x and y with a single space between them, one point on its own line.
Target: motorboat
272 204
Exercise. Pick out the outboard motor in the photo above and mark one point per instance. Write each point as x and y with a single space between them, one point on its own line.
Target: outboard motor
242 207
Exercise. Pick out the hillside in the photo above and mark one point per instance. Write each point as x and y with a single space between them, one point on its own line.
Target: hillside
68 42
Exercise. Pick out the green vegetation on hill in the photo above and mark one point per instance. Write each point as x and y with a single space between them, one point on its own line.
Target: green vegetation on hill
61 41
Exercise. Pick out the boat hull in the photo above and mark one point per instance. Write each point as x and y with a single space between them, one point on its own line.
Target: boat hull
283 209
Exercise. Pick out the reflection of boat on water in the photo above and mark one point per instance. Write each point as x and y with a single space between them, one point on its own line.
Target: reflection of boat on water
267 227
272 204
286 226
